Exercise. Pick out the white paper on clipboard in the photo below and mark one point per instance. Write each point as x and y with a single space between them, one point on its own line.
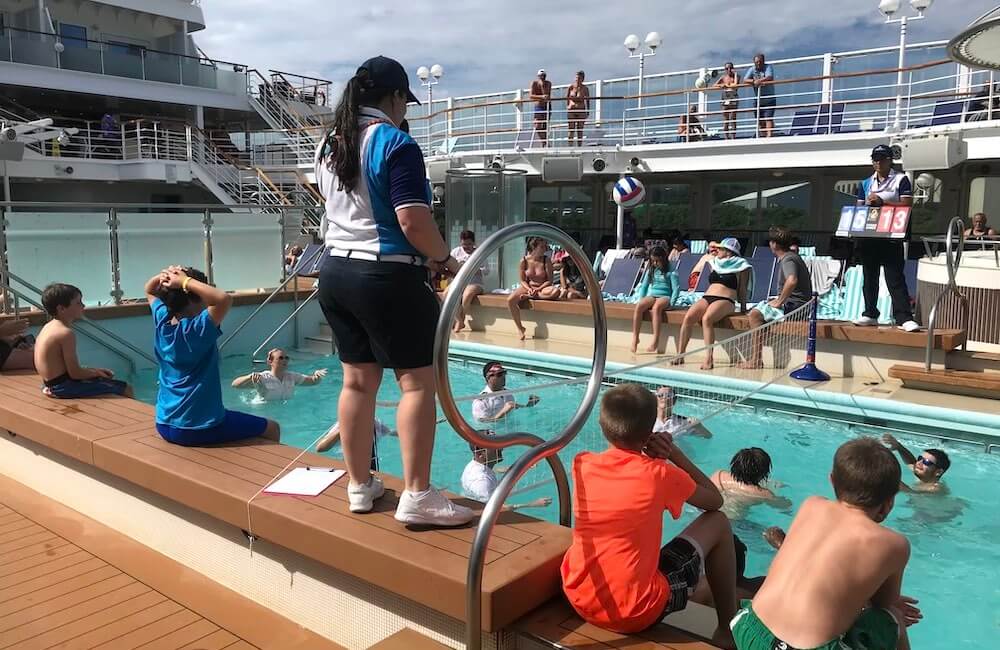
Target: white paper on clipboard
305 481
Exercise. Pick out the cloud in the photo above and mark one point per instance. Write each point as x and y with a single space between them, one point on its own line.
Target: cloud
489 46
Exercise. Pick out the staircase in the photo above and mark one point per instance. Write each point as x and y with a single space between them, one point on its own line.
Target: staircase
275 103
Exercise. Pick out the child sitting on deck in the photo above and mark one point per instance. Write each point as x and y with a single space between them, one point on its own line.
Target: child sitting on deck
187 314
657 293
615 574
835 581
55 351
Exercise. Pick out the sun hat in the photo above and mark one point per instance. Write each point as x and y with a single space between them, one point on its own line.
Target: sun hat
731 244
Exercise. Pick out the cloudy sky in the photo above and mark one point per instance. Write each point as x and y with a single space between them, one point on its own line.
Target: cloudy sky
488 45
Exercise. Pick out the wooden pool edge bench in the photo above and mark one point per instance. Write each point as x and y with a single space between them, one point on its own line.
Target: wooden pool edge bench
117 437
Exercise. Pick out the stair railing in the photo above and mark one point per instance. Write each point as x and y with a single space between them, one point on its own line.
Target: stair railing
539 449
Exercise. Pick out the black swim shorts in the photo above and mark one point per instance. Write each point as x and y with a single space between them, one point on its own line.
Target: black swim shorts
380 312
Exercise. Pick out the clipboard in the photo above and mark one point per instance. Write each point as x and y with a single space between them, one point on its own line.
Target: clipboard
305 481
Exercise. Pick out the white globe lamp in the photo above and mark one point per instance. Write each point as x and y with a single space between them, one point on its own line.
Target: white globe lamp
631 42
921 5
437 71
59 47
889 7
653 40
423 73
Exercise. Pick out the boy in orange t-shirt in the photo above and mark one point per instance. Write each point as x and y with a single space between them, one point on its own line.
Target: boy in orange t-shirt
615 574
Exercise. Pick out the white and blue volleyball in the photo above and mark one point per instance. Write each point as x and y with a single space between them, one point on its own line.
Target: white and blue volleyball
628 192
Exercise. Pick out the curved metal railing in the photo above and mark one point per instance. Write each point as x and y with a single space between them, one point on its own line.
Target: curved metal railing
953 258
539 449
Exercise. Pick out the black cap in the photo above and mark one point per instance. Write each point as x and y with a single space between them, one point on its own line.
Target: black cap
882 151
388 74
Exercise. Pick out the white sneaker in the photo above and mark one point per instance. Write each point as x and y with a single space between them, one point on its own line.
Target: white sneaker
910 326
431 508
361 498
866 321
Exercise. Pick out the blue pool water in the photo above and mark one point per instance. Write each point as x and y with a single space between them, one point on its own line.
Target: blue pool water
955 539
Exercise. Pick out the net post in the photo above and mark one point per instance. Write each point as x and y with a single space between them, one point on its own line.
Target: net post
809 372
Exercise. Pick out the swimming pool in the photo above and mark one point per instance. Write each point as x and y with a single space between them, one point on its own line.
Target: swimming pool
954 538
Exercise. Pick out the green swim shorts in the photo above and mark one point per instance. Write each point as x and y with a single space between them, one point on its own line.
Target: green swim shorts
875 629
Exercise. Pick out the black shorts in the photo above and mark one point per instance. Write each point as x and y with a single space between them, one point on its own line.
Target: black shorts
680 563
380 312
765 107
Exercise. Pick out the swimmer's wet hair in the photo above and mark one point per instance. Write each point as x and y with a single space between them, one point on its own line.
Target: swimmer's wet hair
865 473
628 413
58 295
943 462
750 466
176 300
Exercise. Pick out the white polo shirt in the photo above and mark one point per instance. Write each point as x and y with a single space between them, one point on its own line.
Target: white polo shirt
486 408
272 389
479 481
671 425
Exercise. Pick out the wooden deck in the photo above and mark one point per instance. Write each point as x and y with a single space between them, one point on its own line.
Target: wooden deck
117 435
955 382
834 330
558 624
66 581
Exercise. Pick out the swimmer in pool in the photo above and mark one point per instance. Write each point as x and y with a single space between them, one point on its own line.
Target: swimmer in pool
745 484
278 383
669 422
928 467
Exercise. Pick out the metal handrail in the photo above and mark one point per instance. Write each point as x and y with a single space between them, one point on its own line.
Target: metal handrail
540 449
953 258
277 330
281 287
103 330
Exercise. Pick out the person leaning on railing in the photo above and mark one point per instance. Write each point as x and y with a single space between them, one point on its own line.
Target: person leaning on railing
374 287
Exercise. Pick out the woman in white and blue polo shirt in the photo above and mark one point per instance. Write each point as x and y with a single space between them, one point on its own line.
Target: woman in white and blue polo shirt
374 287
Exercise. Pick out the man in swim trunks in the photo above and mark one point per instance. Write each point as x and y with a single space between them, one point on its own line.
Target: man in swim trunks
541 94
55 351
928 467
835 582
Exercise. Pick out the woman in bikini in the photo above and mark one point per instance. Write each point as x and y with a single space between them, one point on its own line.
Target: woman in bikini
729 82
728 284
577 108
536 280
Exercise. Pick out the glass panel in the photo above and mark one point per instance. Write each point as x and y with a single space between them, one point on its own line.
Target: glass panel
164 67
543 204
667 207
785 204
475 203
845 192
577 209
83 59
34 49
150 242
246 250
984 196
929 215
73 36
78 240
734 205
122 61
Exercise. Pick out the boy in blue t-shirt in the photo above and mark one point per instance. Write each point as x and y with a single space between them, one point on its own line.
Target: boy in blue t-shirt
187 313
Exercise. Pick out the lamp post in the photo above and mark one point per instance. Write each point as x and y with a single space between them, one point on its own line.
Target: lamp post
890 8
429 77
632 44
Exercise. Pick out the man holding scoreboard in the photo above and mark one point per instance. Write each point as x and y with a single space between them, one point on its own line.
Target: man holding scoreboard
888 195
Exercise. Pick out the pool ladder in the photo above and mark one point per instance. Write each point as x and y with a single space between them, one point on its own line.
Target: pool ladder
953 258
539 449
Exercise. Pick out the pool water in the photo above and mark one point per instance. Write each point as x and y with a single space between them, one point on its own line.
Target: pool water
955 539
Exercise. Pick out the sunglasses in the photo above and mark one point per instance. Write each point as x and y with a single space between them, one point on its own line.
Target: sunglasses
282 357
926 462
499 373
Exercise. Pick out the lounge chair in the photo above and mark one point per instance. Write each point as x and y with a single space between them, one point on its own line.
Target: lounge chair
622 276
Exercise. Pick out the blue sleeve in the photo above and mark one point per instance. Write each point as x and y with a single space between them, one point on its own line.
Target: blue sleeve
905 187
769 71
407 175
749 75
675 286
160 312
863 190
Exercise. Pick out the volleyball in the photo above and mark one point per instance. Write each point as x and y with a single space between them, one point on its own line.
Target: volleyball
628 192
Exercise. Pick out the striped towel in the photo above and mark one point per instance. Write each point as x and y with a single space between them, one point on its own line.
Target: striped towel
854 299
807 251
698 246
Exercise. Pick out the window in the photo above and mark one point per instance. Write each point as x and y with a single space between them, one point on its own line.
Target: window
785 204
734 205
125 48
984 196
73 35
758 206
667 207
543 204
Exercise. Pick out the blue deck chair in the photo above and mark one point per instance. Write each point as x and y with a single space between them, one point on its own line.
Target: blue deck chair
310 262
831 116
764 276
622 276
684 266
804 122
947 112
910 273
702 286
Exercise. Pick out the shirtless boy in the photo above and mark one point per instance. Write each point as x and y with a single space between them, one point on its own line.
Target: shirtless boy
745 484
55 351
928 467
835 581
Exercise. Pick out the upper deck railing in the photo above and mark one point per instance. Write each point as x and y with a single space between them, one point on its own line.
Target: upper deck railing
120 60
828 94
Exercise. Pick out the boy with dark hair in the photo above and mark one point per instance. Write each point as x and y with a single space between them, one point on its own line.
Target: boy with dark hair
615 574
55 351
187 317
796 290
744 485
821 592
928 467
